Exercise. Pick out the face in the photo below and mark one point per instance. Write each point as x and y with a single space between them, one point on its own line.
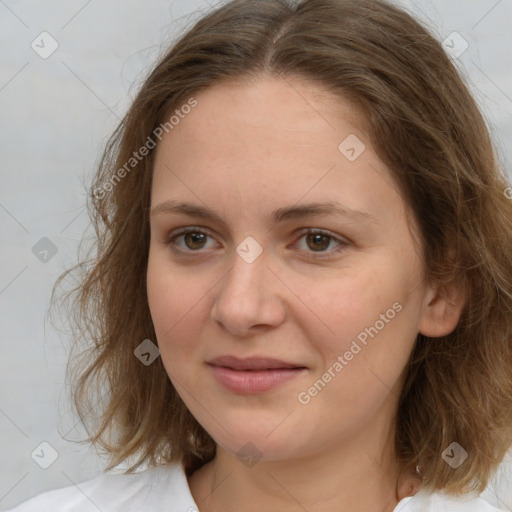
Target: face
279 324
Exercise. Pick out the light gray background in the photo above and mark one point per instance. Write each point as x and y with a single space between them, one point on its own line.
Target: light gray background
56 114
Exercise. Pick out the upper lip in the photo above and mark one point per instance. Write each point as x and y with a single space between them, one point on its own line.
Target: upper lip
252 363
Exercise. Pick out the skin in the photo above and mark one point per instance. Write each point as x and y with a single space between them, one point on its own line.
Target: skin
248 148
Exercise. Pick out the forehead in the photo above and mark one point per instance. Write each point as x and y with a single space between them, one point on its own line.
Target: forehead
266 141
268 104
256 118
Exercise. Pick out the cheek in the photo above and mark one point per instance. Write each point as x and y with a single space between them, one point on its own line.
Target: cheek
176 304
375 325
347 303
370 316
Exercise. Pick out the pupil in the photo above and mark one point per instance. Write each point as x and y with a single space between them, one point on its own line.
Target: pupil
195 237
317 238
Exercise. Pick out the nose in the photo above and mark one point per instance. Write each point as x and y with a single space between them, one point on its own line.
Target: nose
248 298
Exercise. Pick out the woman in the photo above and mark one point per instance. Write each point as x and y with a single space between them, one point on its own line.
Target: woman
302 292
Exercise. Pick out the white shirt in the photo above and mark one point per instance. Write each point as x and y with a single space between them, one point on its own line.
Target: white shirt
165 489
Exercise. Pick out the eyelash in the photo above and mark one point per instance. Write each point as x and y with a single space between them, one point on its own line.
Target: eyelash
309 231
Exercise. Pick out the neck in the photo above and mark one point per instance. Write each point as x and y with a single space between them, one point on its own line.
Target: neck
357 475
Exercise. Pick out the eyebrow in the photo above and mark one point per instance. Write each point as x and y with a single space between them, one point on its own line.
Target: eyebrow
279 215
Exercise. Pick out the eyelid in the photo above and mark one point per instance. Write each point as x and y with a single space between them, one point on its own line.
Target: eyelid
342 242
183 231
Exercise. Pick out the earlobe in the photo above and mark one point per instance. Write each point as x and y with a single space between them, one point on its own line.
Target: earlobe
443 310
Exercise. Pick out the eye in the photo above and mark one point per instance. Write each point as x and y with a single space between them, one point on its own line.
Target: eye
194 239
319 240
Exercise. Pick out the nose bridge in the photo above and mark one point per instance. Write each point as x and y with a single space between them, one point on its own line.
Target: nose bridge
246 296
246 277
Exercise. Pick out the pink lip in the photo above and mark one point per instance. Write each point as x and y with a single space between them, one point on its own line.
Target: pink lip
253 375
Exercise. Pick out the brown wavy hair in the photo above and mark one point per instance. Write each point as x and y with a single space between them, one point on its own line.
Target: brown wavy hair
423 123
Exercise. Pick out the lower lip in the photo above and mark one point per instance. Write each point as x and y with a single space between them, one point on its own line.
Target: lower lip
256 381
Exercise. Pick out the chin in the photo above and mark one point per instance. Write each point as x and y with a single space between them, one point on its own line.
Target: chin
265 443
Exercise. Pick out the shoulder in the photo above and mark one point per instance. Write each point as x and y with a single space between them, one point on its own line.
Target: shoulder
159 489
442 502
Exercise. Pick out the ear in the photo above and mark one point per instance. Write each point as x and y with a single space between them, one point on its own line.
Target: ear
442 310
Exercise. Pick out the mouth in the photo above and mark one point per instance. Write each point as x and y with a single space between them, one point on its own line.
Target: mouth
253 363
253 375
